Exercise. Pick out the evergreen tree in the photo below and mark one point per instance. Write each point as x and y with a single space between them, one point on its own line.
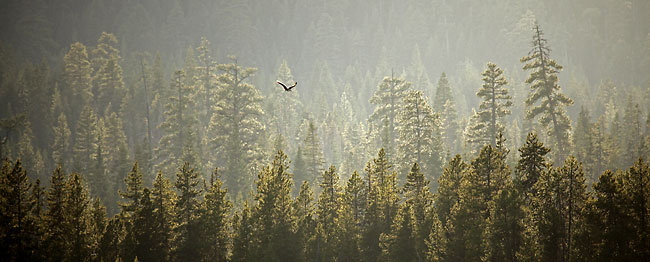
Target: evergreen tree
303 209
632 133
443 94
274 238
401 244
418 204
32 160
186 230
85 140
56 245
531 164
312 155
180 141
450 127
206 75
546 91
78 221
133 193
605 229
449 182
328 213
108 82
78 72
236 127
61 145
143 228
388 101
582 141
636 188
352 211
419 135
494 106
243 236
504 228
214 221
163 199
18 235
117 155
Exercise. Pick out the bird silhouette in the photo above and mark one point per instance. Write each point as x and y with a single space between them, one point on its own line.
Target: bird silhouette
287 88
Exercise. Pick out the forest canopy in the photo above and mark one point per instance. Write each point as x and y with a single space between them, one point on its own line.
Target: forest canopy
419 130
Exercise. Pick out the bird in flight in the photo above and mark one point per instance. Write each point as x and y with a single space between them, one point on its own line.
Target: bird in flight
287 88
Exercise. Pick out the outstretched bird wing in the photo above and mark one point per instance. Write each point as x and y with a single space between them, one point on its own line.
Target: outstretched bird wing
285 87
294 85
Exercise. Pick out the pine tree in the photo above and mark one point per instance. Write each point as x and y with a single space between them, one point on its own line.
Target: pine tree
504 228
117 155
78 72
352 212
236 127
18 230
401 244
214 221
632 133
582 141
243 236
77 219
419 135
85 140
286 105
492 174
180 141
531 164
449 182
274 237
303 211
450 127
636 188
312 155
546 91
388 101
382 205
56 245
163 199
186 230
206 75
61 145
328 212
605 223
143 228
108 82
133 193
32 160
419 200
443 94
494 106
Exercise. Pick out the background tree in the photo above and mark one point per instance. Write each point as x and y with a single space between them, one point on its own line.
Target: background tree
494 106
186 230
236 126
388 101
214 221
545 90
419 135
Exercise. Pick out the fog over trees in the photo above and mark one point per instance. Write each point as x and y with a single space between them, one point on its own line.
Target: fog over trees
417 131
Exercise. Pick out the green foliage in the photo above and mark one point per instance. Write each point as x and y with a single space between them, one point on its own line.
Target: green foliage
494 106
236 128
388 100
419 135
545 90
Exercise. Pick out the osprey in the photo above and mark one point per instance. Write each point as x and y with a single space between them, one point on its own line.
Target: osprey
287 88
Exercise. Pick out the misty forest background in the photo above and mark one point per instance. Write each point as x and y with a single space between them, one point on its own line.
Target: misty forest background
418 131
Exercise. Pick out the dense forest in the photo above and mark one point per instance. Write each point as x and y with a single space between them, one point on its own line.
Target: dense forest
418 130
